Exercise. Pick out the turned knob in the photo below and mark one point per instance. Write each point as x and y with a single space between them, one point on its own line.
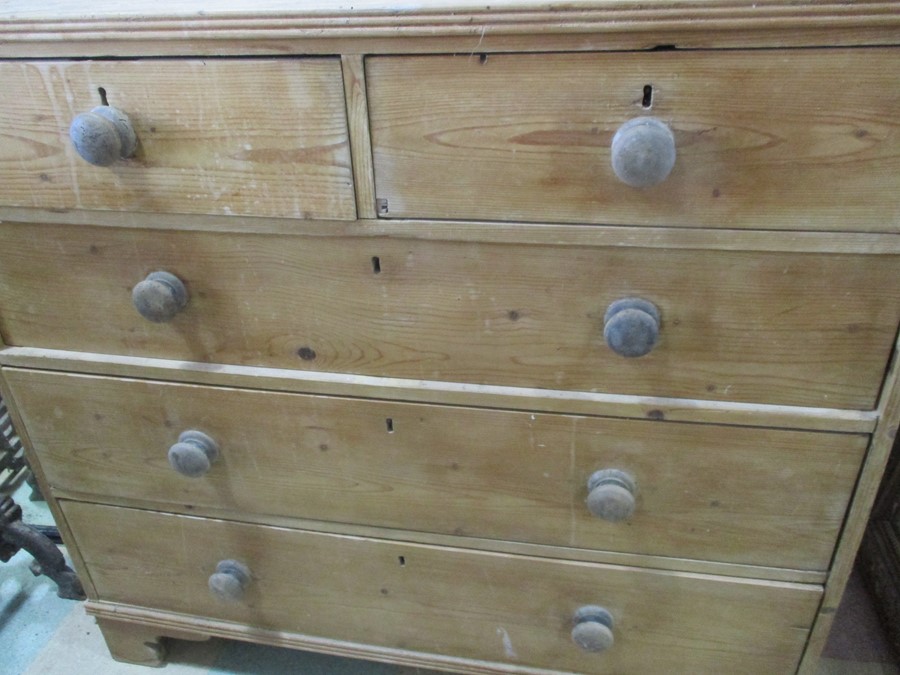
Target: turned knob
611 495
193 454
593 629
159 297
103 136
643 152
229 580
631 327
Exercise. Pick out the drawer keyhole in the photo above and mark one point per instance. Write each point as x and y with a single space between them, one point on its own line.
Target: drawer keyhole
647 101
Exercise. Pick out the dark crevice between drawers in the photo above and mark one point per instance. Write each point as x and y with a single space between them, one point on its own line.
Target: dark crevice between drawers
893 362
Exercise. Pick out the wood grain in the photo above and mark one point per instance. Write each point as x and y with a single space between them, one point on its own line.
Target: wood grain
799 140
867 489
274 27
446 393
254 137
873 242
568 553
447 601
747 496
133 643
790 329
354 74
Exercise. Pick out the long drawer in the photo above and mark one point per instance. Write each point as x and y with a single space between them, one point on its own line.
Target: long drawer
512 610
771 327
261 137
743 495
765 139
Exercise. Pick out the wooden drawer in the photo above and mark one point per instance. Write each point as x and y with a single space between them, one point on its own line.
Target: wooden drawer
513 610
708 492
771 327
261 137
769 139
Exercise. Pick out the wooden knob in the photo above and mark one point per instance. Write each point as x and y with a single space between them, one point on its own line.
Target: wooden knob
229 580
593 629
611 495
631 327
103 136
159 297
643 152
193 454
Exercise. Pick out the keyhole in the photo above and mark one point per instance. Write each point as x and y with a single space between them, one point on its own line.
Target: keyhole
389 423
402 560
102 92
647 101
376 264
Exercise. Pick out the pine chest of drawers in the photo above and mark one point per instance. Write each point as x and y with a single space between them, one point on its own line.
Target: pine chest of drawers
515 338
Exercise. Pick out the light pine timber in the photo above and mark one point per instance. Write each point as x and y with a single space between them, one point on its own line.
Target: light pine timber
446 393
747 496
231 27
861 507
61 28
446 601
354 75
875 241
141 644
466 542
527 137
133 643
807 330
404 12
472 39
254 137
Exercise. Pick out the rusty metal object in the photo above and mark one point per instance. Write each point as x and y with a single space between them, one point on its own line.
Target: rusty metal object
16 535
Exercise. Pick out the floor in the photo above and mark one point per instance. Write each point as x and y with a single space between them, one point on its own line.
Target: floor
43 635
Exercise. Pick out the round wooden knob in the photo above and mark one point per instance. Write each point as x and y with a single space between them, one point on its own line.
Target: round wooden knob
193 454
593 629
643 152
229 580
103 136
631 327
611 495
159 297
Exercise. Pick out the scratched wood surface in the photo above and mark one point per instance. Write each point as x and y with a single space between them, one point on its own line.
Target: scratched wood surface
765 139
261 137
595 404
777 328
182 27
413 9
509 609
750 496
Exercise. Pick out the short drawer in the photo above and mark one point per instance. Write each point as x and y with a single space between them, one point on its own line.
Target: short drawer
264 137
706 492
795 328
509 610
804 139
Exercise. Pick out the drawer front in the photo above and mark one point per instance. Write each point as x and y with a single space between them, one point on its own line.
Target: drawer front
788 328
263 137
729 494
794 140
445 601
